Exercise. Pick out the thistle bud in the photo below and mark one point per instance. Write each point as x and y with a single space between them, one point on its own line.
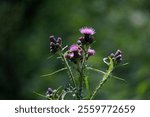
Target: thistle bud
91 52
117 57
59 40
55 44
82 40
49 92
52 39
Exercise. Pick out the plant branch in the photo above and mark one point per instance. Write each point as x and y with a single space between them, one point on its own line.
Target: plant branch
68 68
104 79
87 87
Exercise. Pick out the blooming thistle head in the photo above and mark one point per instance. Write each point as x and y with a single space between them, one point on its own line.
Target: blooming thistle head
73 48
88 38
87 31
55 44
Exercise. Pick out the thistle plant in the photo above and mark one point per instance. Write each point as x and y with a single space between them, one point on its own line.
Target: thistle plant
75 60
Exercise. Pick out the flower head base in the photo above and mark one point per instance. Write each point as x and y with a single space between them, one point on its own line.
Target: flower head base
91 52
55 44
87 31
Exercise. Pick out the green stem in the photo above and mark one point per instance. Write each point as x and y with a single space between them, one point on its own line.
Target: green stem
87 87
82 77
80 80
104 79
69 69
80 85
81 72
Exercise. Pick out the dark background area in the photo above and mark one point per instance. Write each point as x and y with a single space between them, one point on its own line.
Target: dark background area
25 26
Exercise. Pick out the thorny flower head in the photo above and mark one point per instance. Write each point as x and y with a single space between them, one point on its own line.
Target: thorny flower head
87 30
88 38
74 53
73 48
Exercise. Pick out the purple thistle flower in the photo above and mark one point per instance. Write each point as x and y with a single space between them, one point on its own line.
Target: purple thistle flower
73 48
87 30
74 54
91 52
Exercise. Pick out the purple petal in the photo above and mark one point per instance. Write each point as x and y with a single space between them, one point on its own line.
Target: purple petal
86 30
91 52
73 48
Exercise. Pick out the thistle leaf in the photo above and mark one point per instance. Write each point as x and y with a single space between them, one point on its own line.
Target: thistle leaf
62 69
64 47
96 70
124 64
50 57
87 87
118 78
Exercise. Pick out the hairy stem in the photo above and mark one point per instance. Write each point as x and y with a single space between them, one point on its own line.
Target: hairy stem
87 87
104 79
81 68
69 69
80 81
80 84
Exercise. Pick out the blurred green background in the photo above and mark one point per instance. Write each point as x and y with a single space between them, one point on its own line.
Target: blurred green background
25 26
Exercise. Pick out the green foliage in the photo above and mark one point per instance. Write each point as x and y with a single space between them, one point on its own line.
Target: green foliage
24 46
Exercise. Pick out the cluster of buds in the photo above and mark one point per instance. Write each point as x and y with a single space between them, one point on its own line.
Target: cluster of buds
117 57
87 38
55 44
